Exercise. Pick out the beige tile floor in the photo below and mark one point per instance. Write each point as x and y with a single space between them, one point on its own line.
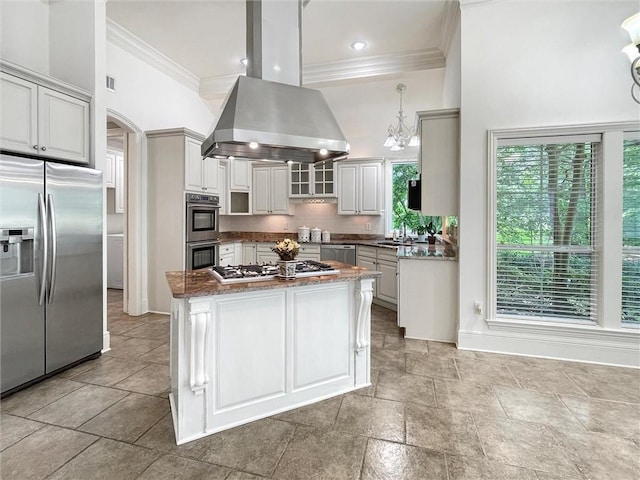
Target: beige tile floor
434 412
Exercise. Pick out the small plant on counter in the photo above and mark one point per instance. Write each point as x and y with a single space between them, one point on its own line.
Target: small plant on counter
287 249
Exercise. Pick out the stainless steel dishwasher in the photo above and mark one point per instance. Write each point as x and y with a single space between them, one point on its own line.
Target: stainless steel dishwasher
340 253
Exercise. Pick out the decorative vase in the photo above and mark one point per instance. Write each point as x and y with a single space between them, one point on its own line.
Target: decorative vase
431 239
422 238
287 269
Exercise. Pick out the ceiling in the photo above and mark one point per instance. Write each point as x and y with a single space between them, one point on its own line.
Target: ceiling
207 37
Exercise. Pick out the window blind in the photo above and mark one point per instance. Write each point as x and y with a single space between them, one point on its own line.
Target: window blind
546 233
631 233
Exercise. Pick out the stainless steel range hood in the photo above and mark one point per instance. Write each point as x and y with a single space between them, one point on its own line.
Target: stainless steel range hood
267 115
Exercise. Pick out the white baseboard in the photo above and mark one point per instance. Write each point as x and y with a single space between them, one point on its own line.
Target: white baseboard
619 350
106 341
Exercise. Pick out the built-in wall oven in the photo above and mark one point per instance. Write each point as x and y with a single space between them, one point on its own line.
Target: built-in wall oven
202 233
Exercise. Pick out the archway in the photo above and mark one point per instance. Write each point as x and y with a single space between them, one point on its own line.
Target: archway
135 217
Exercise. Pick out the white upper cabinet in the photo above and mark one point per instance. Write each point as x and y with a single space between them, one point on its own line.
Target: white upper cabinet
439 161
239 175
270 190
200 174
360 188
42 121
311 180
109 172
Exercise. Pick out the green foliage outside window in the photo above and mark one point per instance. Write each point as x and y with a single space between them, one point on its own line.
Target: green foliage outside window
414 221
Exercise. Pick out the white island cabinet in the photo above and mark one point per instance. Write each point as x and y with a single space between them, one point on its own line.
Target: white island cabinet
246 351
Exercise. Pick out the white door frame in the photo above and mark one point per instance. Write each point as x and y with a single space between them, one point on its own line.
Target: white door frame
135 298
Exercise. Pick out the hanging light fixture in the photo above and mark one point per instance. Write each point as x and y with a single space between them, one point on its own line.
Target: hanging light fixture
632 26
401 136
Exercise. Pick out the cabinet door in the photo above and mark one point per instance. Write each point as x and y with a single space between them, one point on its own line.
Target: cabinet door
239 175
226 260
347 193
261 191
192 165
387 284
279 190
120 184
248 253
439 162
210 175
323 180
370 189
222 187
110 171
114 261
300 174
18 115
63 126
369 264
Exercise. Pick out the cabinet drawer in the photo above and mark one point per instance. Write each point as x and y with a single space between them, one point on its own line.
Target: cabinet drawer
388 255
226 249
310 249
364 251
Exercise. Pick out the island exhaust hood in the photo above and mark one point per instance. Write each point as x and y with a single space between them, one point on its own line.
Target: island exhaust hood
267 114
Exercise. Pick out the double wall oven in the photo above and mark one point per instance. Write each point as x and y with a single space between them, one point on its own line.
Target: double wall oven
202 212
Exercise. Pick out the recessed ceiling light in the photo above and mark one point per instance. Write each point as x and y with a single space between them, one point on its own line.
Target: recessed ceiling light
244 61
253 145
323 151
359 45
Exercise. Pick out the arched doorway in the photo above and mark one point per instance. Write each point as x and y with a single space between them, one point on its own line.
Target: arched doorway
135 219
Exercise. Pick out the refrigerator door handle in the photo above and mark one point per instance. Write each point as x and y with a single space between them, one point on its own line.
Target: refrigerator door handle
51 211
45 247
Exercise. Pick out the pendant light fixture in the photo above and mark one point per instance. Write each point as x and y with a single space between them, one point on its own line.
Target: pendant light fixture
401 136
632 26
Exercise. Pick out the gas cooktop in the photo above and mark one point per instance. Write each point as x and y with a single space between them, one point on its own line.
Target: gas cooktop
253 273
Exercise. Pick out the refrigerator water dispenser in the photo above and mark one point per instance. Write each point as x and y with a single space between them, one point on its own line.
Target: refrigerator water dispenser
16 251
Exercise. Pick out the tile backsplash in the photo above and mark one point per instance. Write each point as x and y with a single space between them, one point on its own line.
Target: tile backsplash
322 215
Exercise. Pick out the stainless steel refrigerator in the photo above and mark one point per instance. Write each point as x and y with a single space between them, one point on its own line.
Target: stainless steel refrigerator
50 267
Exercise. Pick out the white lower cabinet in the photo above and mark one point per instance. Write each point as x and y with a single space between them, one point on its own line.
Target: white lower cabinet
309 252
115 261
230 254
428 299
383 260
248 253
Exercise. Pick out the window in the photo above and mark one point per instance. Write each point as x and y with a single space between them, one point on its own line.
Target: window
401 173
631 233
545 229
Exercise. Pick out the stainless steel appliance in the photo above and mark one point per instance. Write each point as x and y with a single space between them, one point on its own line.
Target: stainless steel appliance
50 267
414 195
252 273
202 254
202 217
339 253
202 244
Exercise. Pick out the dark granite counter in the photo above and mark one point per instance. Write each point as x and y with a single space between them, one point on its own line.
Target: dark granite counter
200 283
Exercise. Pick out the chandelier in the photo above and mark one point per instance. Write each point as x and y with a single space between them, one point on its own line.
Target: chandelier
401 136
632 25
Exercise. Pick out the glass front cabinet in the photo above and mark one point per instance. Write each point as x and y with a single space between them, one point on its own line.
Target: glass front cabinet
309 180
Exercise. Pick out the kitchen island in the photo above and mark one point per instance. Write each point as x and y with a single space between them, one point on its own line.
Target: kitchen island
245 351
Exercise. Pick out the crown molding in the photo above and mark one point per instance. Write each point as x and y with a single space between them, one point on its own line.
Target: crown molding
449 24
126 40
215 88
373 66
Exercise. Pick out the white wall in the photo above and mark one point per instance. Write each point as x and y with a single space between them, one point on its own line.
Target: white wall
151 99
364 109
528 64
451 88
24 33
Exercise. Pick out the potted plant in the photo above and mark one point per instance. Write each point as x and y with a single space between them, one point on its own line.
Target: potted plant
287 250
431 230
421 230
